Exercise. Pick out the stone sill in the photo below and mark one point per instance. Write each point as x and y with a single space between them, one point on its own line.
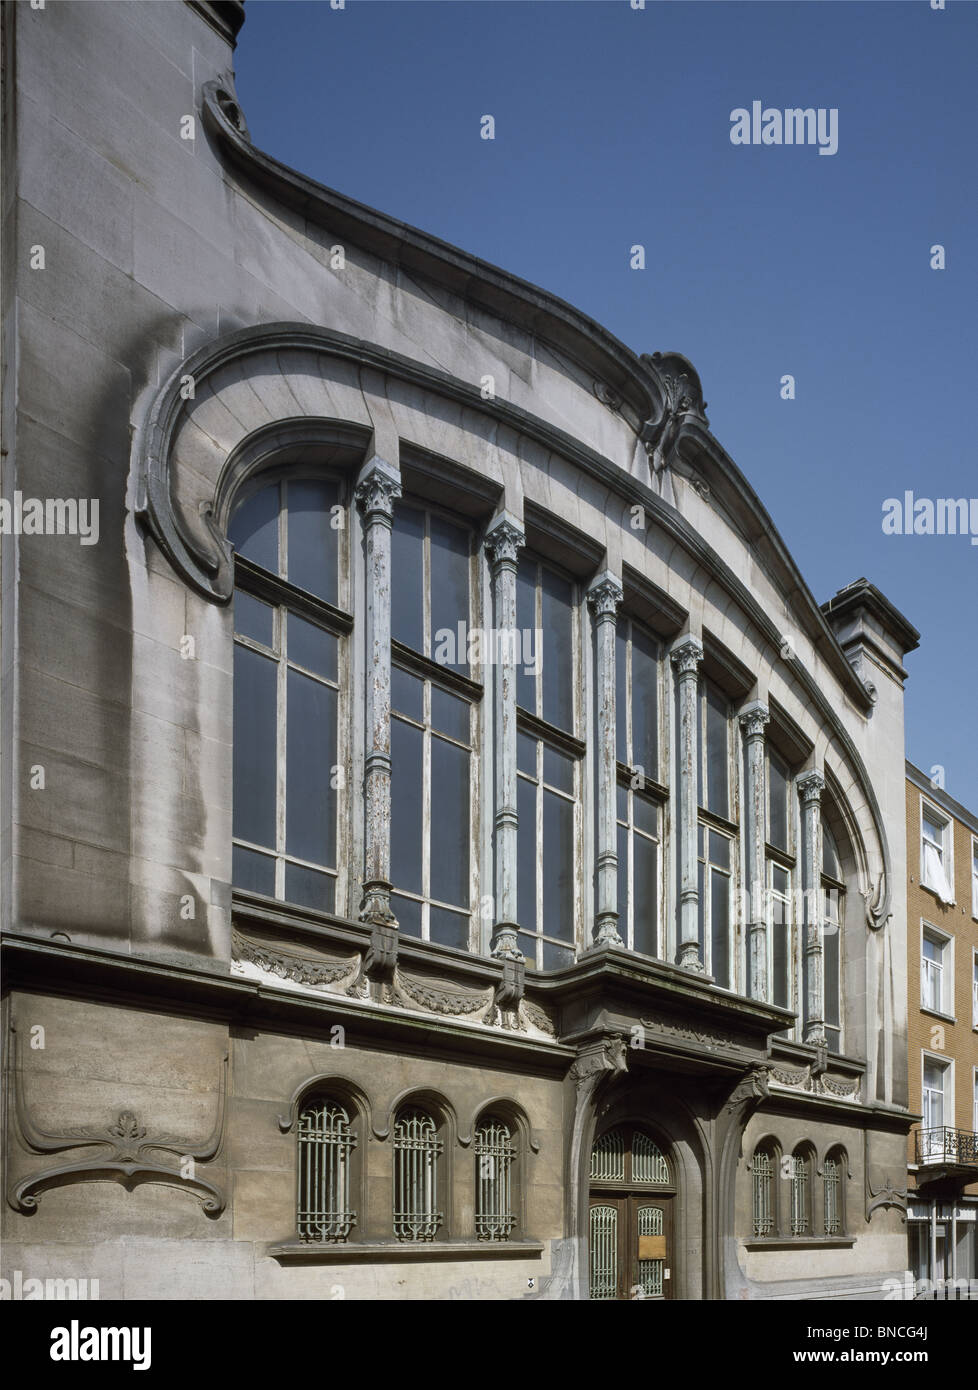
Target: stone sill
800 1243
383 1251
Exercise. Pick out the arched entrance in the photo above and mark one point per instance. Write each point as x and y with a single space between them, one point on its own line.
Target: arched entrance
630 1216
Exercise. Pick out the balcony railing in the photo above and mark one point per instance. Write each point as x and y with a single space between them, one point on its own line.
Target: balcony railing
956 1148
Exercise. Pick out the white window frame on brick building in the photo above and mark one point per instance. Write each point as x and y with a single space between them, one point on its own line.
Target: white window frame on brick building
936 852
936 970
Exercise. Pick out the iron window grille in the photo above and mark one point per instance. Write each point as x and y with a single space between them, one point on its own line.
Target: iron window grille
620 1156
832 1182
799 1195
495 1155
417 1149
326 1143
762 1182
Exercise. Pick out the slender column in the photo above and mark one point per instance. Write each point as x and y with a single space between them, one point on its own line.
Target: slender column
753 720
811 787
504 539
378 487
604 596
686 657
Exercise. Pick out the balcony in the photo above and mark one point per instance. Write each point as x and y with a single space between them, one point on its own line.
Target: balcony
951 1150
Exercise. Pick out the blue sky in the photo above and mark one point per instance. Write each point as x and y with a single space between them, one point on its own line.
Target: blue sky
612 128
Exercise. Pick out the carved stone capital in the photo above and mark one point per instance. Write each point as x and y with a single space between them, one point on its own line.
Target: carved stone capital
607 1057
811 786
604 594
686 655
504 942
505 538
378 488
754 718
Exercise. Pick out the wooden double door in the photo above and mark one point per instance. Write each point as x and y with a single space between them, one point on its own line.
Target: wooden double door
630 1245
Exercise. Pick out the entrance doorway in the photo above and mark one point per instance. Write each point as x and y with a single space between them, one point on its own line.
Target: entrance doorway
630 1217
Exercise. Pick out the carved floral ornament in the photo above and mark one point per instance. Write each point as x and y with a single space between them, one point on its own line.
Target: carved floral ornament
130 1152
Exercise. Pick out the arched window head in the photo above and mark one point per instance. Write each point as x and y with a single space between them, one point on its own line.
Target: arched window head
629 1157
418 1149
495 1159
326 1143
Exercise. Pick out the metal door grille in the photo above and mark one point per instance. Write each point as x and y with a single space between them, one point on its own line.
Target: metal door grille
648 1163
326 1144
650 1272
608 1157
762 1171
833 1222
494 1154
799 1195
604 1252
416 1152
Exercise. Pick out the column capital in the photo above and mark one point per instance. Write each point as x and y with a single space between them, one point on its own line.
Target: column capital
687 654
505 538
378 487
811 786
754 718
604 594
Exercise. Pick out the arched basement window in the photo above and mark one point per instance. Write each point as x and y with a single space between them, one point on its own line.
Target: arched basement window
495 1154
417 1150
326 1142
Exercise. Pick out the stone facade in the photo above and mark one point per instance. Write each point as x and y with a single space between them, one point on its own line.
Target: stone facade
205 320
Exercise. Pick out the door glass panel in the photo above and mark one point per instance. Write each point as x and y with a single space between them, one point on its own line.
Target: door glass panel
650 1272
604 1252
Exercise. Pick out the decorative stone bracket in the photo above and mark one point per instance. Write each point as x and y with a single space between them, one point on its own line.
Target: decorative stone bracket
127 1150
887 1194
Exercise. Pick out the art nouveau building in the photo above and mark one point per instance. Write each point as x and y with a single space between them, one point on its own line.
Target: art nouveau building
448 850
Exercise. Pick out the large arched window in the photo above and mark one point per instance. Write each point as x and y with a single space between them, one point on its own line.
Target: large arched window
435 708
326 1153
289 636
638 812
418 1176
549 758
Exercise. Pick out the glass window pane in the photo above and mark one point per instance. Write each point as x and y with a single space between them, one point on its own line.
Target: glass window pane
717 791
621 803
720 928
253 619
408 914
781 960
720 851
448 928
780 880
646 814
449 583
309 889
449 823
526 855
701 906
645 703
555 957
407 823
778 799
313 541
621 692
526 754
254 747
558 769
310 800
526 621
528 945
558 651
830 947
255 873
558 867
623 882
449 715
407 694
254 528
312 647
407 577
646 895
830 855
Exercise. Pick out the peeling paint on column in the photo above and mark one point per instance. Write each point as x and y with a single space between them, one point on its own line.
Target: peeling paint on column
378 487
604 596
753 720
686 656
504 540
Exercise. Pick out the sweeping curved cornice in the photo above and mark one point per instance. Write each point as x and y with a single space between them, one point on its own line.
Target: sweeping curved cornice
659 396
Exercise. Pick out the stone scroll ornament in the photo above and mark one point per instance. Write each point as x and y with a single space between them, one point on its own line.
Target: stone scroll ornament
130 1153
